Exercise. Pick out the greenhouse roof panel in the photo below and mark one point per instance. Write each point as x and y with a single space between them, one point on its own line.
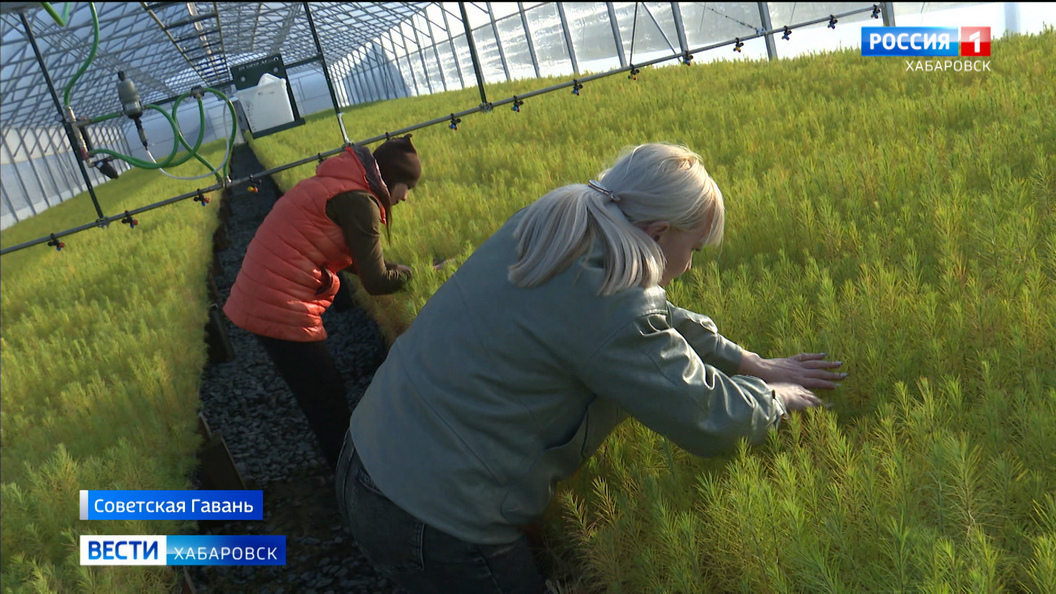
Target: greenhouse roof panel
168 47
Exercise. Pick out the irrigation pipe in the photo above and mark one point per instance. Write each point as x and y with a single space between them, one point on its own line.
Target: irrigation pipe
59 20
105 222
91 55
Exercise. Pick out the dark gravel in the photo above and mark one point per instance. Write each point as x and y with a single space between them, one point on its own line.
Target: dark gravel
269 439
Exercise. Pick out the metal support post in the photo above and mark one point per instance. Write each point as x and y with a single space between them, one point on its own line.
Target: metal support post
616 33
326 71
764 19
473 53
528 38
62 115
680 29
568 37
887 10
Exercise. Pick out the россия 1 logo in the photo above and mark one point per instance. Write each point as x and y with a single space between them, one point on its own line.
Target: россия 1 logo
926 41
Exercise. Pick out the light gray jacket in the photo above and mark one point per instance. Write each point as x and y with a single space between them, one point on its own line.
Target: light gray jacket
495 392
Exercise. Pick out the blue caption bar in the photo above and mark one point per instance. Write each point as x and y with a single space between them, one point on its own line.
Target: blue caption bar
225 550
910 41
172 505
182 550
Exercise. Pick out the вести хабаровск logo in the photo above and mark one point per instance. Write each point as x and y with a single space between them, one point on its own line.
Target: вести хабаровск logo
926 41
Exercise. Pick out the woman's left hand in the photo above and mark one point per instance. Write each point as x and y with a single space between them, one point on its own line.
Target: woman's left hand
809 370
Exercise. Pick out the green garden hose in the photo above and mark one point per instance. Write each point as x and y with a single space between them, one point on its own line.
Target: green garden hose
177 136
91 55
59 20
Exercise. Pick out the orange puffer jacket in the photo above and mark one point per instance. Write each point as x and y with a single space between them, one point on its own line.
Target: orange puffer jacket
288 276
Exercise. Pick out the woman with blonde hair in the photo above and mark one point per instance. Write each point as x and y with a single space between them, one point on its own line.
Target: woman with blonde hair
552 333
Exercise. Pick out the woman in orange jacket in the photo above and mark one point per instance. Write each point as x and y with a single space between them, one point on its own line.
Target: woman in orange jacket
324 224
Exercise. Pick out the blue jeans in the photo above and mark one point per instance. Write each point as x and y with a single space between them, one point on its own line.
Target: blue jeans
418 557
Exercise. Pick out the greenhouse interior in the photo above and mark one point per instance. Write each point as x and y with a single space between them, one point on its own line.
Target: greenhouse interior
877 413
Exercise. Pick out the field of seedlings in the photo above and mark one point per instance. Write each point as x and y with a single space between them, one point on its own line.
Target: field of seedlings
903 222
103 346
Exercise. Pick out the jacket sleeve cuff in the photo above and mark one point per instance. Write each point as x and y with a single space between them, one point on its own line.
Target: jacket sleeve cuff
703 336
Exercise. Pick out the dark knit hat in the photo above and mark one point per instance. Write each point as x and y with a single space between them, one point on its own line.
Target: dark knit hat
398 161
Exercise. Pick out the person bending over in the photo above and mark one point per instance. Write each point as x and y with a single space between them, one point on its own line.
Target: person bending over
324 224
552 333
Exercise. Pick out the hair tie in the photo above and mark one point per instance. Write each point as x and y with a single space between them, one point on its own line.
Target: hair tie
598 187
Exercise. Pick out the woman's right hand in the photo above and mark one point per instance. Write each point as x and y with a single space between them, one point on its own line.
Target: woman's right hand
795 397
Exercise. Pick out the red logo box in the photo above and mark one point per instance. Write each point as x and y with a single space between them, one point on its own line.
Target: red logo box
975 41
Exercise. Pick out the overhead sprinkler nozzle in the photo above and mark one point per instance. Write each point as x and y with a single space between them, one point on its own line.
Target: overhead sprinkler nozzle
201 198
634 73
788 32
517 103
128 220
55 243
687 59
454 122
576 87
876 11
738 45
126 91
832 22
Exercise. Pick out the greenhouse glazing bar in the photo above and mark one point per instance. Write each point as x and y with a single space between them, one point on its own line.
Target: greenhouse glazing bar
568 37
454 51
326 71
104 221
498 41
36 174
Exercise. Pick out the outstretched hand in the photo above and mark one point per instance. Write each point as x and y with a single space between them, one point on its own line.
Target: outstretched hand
809 370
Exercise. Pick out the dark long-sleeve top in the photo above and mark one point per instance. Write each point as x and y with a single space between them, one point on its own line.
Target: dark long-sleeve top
359 217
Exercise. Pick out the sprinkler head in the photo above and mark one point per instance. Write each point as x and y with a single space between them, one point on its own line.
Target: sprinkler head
576 87
55 243
832 22
788 32
128 220
738 45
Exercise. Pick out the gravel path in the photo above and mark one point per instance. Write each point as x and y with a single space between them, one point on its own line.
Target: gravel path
269 439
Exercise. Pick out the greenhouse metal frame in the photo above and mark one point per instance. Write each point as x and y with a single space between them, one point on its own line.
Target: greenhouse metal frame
366 52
